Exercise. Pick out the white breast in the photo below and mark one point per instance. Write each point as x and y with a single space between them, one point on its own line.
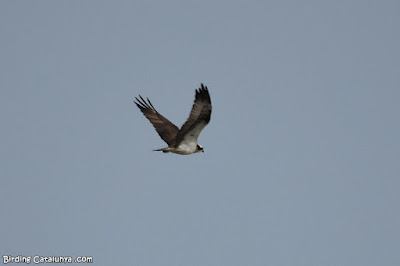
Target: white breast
186 147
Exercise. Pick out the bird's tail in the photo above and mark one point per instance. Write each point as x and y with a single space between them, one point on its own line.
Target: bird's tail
165 150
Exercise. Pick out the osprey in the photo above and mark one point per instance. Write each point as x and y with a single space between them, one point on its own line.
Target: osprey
181 141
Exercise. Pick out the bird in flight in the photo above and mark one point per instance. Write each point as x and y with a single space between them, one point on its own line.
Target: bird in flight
180 141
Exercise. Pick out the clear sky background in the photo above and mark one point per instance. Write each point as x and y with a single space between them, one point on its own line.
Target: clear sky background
302 154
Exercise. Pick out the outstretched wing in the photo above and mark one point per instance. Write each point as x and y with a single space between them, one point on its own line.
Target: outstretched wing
167 130
198 118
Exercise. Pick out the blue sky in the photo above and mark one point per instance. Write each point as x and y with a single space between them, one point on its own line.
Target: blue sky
301 162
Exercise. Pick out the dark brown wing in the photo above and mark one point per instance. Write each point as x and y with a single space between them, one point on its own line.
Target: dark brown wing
198 118
164 127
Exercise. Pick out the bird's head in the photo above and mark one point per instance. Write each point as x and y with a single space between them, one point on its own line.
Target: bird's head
199 148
